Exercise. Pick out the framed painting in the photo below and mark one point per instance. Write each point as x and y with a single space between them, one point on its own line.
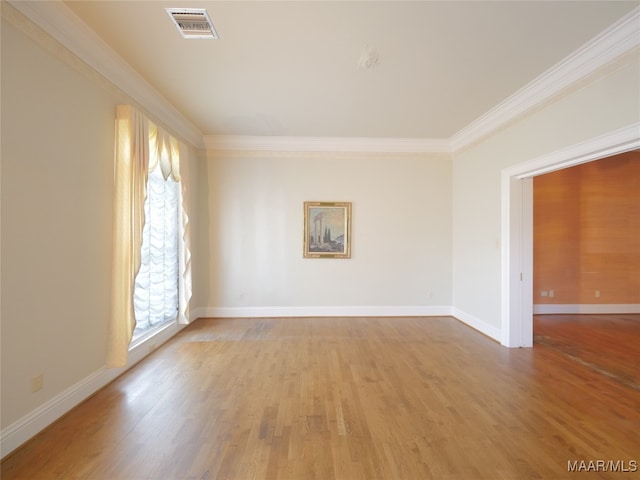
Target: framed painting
327 229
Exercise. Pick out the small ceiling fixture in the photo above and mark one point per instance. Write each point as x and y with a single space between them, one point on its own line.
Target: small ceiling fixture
193 22
368 58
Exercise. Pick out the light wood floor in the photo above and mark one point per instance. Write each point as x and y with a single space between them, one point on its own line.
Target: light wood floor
341 398
609 344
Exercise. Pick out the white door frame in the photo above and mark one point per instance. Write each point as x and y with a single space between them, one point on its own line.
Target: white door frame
517 224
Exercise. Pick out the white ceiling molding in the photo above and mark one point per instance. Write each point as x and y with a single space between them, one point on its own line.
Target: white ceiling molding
325 144
63 25
609 45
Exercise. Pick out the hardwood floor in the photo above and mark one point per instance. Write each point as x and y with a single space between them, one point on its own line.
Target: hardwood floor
342 398
609 344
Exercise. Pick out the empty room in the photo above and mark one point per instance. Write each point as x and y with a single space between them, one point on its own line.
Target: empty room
329 239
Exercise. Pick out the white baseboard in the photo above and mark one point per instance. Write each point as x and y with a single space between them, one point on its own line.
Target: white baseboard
198 312
37 420
597 308
478 324
347 311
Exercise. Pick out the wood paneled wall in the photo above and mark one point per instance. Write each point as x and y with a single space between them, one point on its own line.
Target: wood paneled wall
586 224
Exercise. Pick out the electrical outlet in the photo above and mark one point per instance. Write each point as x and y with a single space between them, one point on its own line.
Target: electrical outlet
37 383
597 293
544 293
552 293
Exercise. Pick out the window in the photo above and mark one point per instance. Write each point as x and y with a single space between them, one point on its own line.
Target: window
156 284
151 264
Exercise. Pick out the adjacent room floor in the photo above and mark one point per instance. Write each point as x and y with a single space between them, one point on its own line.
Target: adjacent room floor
352 398
608 344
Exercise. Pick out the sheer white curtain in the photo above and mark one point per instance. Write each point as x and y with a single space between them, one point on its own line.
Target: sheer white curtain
155 296
172 157
141 147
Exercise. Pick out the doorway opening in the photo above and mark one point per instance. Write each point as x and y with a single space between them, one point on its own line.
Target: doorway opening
586 285
517 225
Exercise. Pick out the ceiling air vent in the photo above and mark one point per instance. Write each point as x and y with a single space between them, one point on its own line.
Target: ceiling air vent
193 22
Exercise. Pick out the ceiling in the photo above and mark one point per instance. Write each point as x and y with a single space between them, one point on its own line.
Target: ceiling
294 68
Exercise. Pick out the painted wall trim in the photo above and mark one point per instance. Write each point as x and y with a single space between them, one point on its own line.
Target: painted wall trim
35 421
477 324
612 43
347 311
591 308
64 26
67 28
325 144
20 431
612 143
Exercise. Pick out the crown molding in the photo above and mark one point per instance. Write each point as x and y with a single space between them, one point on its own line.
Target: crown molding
56 19
325 144
64 26
610 44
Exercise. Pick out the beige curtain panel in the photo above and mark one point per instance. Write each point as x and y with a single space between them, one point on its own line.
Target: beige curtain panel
184 286
131 163
139 148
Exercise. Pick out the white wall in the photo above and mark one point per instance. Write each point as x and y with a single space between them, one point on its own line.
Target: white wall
58 122
607 101
57 171
199 220
401 234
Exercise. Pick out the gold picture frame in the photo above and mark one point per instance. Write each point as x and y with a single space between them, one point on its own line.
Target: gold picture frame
327 229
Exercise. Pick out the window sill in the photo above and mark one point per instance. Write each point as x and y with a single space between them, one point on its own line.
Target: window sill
147 343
